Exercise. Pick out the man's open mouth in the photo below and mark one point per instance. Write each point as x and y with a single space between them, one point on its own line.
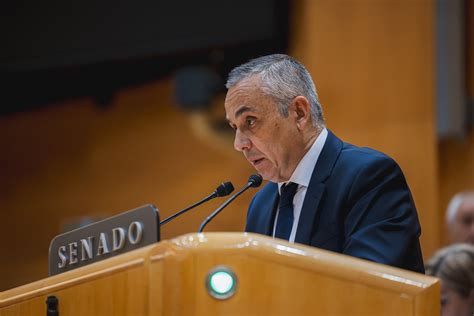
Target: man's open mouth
256 162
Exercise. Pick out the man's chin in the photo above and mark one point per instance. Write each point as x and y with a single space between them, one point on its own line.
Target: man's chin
267 176
267 171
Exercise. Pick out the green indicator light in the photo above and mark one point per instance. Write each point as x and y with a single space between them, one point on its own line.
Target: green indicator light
221 282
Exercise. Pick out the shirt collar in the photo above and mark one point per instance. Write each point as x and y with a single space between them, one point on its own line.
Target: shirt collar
304 169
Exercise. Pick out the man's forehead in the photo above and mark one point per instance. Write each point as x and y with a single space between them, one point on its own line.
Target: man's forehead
241 99
241 92
467 205
246 87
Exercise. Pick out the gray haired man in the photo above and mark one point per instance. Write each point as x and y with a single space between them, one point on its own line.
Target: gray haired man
460 218
322 192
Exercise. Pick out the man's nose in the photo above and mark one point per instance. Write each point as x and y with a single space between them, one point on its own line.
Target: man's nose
241 142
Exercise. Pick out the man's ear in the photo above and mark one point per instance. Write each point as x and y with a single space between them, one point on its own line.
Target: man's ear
302 111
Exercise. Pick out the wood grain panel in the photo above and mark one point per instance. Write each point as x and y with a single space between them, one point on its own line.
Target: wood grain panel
274 278
456 156
456 171
372 62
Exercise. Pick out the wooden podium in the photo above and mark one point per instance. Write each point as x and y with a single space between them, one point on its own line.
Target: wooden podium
273 278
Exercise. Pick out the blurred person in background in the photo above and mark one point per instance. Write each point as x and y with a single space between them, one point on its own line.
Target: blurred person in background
460 218
454 265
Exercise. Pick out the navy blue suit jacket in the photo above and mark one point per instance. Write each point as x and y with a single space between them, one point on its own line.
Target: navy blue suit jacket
357 203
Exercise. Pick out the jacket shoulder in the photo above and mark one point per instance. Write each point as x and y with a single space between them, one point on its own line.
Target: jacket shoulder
364 155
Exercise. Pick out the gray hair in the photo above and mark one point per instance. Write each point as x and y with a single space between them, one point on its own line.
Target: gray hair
283 78
455 203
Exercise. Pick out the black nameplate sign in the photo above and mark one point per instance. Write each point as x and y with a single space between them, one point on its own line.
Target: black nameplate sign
104 239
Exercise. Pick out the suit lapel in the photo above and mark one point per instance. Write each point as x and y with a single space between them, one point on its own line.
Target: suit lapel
316 189
308 213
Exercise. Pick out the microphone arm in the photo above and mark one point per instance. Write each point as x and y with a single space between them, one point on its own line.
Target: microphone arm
222 190
207 198
254 181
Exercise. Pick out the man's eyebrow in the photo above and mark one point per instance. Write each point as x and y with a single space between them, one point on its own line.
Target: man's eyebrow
242 110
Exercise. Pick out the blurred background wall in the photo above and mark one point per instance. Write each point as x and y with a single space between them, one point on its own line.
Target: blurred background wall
97 120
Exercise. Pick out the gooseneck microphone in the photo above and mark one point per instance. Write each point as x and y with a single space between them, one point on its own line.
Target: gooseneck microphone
254 181
224 189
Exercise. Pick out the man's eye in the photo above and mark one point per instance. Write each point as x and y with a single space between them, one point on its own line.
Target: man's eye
250 121
467 220
444 301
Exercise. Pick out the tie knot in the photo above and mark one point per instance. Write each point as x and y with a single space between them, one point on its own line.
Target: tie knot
288 192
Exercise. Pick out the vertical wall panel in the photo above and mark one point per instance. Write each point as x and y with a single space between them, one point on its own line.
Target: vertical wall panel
373 63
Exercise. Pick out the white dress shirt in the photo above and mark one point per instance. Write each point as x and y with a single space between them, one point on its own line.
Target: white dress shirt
302 176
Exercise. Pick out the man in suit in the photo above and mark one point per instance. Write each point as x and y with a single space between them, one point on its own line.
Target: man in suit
322 192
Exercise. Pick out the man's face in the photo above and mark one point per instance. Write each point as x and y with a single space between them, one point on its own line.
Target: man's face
462 229
271 143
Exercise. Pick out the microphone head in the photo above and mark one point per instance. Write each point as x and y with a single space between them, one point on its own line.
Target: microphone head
224 189
255 180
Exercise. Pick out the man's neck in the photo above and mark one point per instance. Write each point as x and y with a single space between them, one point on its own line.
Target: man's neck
308 141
